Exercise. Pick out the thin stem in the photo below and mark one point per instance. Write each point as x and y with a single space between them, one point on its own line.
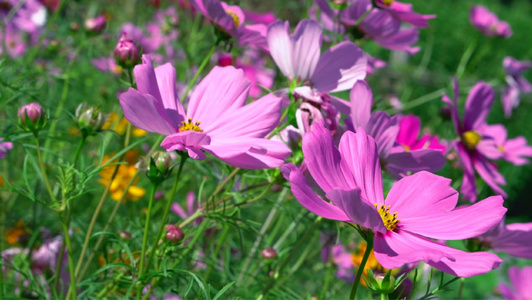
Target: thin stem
72 289
78 150
363 16
167 208
221 185
198 72
360 270
462 281
260 236
145 239
43 171
221 242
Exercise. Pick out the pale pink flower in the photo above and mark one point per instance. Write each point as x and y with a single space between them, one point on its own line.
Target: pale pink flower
521 287
488 23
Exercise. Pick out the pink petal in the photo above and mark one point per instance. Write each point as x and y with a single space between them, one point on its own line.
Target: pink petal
306 196
256 119
468 188
166 80
383 129
361 101
489 173
281 48
359 152
192 141
520 279
394 249
359 211
409 127
145 112
421 194
249 153
515 151
461 223
324 161
178 210
339 67
306 48
467 264
222 91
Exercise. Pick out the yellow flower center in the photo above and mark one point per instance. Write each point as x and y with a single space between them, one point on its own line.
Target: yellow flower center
390 221
501 148
387 2
235 17
471 139
407 148
188 125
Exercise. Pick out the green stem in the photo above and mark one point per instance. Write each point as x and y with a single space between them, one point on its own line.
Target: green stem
360 270
167 208
221 242
43 171
78 150
72 289
145 239
198 72
465 59
363 16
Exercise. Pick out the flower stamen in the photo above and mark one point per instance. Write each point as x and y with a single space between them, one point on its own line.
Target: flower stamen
235 17
188 125
471 139
390 221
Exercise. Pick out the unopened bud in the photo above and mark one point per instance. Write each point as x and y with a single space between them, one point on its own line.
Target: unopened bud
268 253
225 59
383 283
124 235
174 234
31 117
159 167
90 119
95 25
127 52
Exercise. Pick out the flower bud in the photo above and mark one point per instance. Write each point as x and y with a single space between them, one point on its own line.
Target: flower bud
90 119
159 167
31 117
127 52
124 235
174 234
383 283
268 253
95 25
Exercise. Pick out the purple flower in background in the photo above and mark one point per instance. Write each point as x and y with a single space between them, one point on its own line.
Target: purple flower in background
516 83
373 64
514 239
96 24
4 148
230 19
476 142
192 207
385 130
488 23
217 120
299 57
383 25
28 17
107 64
520 280
418 208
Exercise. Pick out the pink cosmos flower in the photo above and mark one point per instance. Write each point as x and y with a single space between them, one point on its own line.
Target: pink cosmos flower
299 57
476 142
520 279
107 64
514 239
230 19
488 23
418 208
28 16
192 207
385 130
4 148
409 128
217 120
383 25
514 150
516 83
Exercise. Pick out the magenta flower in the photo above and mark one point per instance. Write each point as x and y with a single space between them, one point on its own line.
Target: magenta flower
409 128
418 208
4 148
385 130
476 142
28 16
192 207
488 23
299 57
230 19
217 120
516 83
520 279
514 239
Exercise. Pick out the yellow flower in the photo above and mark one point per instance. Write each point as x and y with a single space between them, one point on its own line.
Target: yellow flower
372 262
17 234
124 174
121 125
